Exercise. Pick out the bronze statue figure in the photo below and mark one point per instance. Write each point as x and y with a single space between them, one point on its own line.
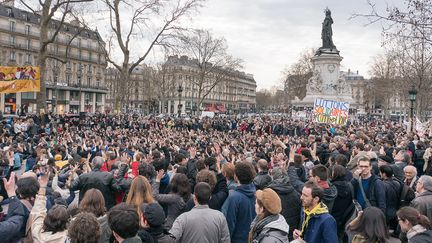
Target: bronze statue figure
327 33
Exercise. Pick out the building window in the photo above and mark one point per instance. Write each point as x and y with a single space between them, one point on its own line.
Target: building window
79 42
79 54
9 11
27 95
12 40
12 56
29 58
27 29
88 81
68 77
28 43
12 26
90 56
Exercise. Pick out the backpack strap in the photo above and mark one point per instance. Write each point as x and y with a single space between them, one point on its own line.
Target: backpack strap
368 204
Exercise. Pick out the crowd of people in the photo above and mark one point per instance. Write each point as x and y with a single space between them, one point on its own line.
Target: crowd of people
263 179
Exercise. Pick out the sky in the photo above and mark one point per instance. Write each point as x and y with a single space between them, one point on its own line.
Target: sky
269 35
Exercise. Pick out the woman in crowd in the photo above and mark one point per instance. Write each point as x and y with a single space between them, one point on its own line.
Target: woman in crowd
140 192
268 226
416 226
369 227
94 202
51 226
176 200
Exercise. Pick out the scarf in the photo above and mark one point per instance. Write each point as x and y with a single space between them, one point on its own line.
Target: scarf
259 224
321 208
417 229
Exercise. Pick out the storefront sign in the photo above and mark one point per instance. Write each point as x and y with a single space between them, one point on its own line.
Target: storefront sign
19 79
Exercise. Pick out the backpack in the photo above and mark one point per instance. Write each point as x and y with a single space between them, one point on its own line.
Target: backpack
407 194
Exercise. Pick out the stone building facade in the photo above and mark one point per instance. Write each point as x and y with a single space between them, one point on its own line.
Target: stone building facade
78 85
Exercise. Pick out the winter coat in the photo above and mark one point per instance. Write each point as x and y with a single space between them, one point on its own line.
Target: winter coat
291 203
101 180
330 195
10 228
274 232
321 229
376 196
295 180
37 216
423 203
201 224
424 237
343 206
392 192
262 179
239 210
174 203
219 194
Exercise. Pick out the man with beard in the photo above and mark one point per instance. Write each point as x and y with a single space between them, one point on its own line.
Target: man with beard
317 225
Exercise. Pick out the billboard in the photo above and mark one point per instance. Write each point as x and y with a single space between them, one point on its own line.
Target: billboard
19 79
330 111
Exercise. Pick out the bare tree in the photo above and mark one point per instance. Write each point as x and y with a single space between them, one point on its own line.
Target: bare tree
49 29
145 13
297 75
407 32
215 66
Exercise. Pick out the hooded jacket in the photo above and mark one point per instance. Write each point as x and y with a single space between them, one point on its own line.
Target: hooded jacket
343 206
319 226
262 179
274 232
239 210
291 203
330 194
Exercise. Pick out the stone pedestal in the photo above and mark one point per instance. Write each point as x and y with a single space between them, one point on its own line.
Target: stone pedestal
326 82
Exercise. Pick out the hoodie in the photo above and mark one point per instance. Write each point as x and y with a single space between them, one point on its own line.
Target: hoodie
239 210
330 194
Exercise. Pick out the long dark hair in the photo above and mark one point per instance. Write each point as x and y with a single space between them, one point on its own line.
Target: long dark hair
181 186
414 217
372 225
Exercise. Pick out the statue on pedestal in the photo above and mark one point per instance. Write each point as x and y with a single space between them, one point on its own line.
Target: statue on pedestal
327 33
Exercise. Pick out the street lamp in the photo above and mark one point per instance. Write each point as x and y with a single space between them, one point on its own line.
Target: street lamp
412 97
79 74
179 107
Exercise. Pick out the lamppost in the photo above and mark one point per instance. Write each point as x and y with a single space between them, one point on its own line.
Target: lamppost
412 97
179 107
79 74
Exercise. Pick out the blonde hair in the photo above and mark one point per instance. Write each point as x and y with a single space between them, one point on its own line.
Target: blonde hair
140 192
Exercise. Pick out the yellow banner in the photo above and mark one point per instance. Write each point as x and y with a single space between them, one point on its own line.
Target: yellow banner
19 79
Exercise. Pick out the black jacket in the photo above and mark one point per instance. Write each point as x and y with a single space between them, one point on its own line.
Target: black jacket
101 180
291 204
262 179
392 192
343 205
330 195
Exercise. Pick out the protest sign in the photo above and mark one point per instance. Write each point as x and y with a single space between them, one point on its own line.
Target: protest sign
330 111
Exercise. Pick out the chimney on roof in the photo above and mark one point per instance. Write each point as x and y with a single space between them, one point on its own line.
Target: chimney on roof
357 72
9 3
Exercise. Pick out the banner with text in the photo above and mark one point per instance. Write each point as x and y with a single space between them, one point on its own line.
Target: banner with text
331 111
19 79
